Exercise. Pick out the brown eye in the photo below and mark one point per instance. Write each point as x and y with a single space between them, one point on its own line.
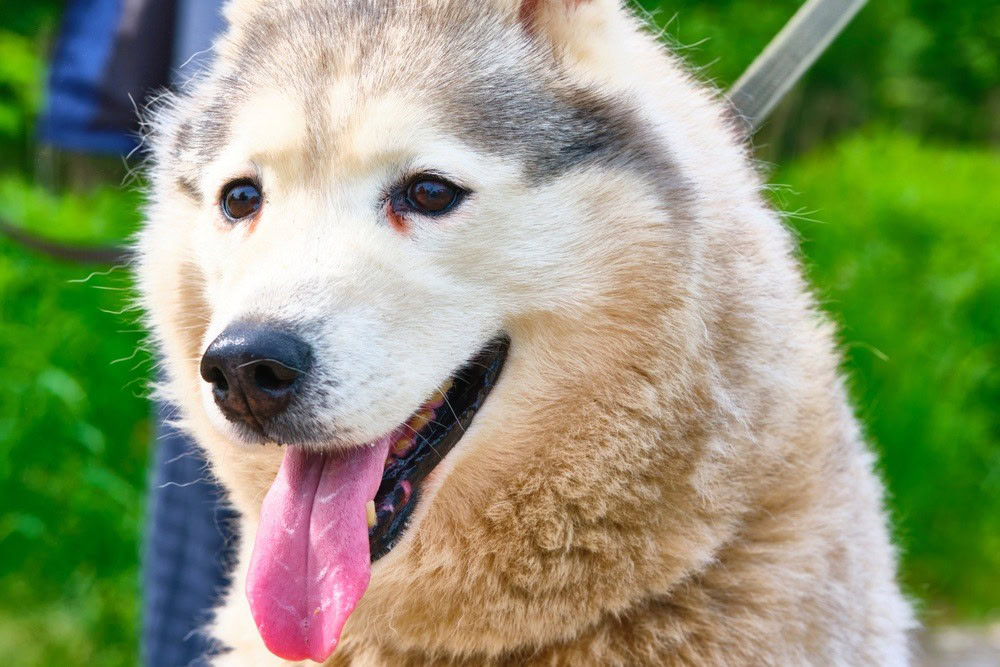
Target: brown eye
241 200
429 195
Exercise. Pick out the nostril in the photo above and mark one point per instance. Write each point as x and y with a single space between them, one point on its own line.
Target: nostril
274 377
218 379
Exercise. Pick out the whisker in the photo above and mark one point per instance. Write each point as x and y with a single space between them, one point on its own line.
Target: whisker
93 275
454 413
274 361
128 358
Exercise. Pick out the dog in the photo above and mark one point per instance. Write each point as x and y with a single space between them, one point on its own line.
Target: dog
485 325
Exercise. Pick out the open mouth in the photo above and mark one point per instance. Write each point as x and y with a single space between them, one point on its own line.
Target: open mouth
426 439
327 517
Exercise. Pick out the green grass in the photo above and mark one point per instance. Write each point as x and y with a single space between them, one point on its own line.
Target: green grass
74 442
903 243
901 240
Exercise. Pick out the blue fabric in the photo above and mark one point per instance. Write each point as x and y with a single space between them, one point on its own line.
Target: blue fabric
198 22
111 54
191 536
190 541
78 64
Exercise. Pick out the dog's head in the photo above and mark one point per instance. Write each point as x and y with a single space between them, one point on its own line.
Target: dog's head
362 207
371 192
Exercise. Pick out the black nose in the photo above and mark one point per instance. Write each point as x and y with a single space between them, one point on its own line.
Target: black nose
255 370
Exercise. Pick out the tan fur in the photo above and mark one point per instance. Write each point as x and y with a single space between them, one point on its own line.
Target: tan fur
668 472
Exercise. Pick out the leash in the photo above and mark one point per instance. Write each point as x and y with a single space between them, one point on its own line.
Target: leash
67 252
789 55
768 79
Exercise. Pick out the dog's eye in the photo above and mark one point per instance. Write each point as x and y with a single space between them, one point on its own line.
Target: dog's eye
241 200
431 195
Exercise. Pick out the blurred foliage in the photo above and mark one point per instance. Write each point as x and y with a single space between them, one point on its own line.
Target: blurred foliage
74 428
926 66
20 97
74 439
899 234
25 34
902 243
20 70
29 18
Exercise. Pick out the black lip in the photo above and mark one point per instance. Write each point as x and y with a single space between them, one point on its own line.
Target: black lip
400 491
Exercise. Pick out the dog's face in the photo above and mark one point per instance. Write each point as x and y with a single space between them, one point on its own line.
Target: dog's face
362 205
394 185
375 236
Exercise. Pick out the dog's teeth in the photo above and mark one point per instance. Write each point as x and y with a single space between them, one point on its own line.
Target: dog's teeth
402 446
372 519
421 419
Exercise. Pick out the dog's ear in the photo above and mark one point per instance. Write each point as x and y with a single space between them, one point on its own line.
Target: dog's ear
567 23
533 12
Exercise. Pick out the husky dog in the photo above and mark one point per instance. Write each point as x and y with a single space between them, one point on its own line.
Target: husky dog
485 325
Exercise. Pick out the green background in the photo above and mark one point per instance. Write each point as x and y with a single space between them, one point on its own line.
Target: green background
885 159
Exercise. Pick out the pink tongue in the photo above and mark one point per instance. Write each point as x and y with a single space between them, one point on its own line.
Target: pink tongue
310 563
